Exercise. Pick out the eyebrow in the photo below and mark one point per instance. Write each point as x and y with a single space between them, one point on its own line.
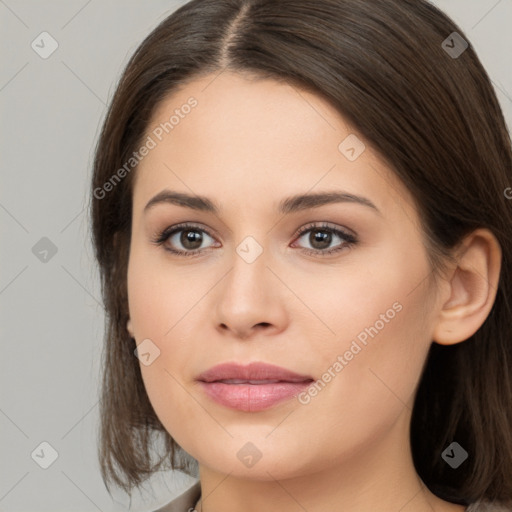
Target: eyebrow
286 206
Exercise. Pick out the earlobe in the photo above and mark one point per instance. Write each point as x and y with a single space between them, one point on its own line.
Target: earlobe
473 287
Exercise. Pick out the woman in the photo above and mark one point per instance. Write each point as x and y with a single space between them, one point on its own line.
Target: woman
301 218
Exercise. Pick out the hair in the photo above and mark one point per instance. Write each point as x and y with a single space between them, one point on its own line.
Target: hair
433 118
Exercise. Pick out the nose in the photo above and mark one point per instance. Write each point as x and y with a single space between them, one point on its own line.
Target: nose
250 299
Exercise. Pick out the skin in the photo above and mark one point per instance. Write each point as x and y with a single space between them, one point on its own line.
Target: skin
248 144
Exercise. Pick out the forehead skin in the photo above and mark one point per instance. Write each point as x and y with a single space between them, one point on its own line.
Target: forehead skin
250 142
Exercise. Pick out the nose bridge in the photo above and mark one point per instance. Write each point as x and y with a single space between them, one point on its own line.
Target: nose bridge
247 297
249 266
250 250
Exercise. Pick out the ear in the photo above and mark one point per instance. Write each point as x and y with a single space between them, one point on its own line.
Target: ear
470 291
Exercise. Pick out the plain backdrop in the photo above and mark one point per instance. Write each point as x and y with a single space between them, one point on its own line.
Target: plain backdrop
51 314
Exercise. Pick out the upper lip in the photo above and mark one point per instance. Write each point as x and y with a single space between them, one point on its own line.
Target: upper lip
255 371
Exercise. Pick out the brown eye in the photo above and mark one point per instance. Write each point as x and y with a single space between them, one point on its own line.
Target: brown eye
187 240
322 237
184 240
191 239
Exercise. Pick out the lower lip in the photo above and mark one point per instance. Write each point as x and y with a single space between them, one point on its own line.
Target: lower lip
252 397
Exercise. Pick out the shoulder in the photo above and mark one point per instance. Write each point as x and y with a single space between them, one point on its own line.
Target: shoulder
484 506
184 502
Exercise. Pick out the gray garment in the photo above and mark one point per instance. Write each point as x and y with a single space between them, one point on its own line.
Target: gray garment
185 503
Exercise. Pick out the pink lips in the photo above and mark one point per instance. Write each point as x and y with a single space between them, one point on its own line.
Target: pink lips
251 388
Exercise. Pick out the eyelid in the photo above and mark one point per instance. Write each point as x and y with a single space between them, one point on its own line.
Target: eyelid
325 225
181 226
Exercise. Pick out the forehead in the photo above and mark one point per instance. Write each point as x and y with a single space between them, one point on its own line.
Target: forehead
251 141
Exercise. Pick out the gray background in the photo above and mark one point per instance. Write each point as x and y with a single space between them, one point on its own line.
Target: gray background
51 314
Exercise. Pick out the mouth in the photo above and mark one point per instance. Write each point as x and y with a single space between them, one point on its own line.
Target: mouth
255 372
253 387
254 382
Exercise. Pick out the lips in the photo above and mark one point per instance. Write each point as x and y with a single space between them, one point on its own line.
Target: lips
251 388
253 373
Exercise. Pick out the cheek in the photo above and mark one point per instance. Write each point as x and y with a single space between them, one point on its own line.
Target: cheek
380 333
158 304
157 298
376 378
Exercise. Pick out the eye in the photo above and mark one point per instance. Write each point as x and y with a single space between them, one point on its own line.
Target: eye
190 237
321 237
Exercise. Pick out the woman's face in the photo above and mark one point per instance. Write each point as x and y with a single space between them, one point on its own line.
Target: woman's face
261 286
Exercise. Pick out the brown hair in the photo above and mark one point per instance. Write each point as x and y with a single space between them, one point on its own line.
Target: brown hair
432 116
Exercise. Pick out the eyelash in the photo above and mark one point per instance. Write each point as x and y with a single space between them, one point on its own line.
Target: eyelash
349 239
